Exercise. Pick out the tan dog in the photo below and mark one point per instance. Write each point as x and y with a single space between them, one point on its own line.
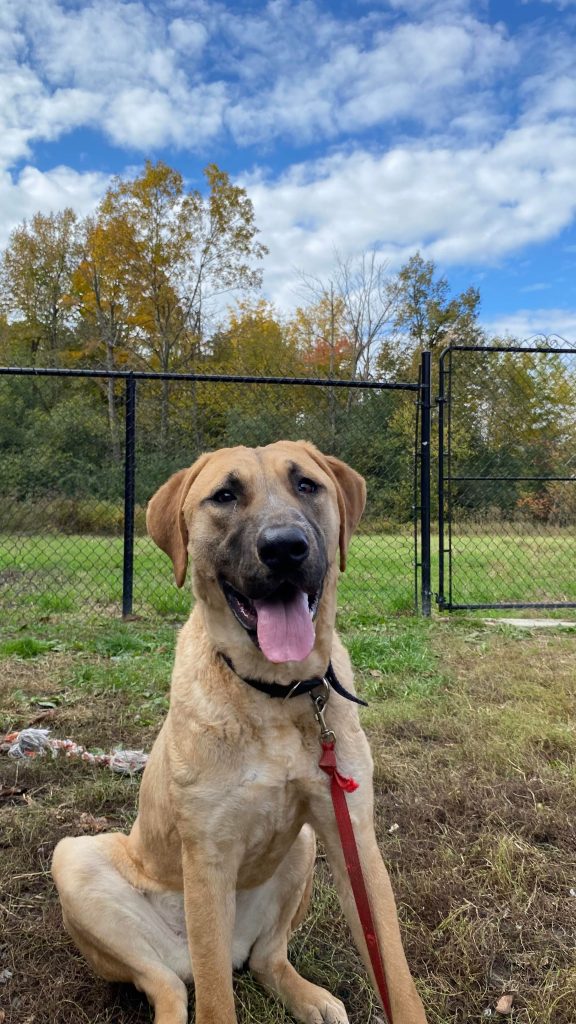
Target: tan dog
217 870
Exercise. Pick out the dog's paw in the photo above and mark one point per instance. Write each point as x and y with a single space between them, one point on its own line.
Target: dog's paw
323 1008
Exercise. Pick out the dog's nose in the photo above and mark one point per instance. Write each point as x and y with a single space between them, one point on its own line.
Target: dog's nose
282 547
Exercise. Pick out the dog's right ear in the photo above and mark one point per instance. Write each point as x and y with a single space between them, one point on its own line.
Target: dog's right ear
165 518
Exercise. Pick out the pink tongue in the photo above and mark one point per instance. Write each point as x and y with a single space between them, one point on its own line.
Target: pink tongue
285 629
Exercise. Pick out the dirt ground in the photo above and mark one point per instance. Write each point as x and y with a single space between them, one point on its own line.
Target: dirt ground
476 804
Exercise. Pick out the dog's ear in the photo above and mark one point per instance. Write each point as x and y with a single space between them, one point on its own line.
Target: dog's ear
165 518
351 494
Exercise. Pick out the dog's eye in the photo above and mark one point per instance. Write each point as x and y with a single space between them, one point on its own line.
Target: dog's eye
223 496
306 486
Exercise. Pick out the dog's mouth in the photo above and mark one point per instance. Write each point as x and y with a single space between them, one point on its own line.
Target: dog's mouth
282 623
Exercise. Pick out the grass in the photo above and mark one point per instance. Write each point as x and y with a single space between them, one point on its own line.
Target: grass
475 767
48 573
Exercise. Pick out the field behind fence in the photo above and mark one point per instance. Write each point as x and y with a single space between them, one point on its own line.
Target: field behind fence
63 466
58 573
505 443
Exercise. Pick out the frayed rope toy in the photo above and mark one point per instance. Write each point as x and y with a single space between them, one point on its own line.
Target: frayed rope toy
31 743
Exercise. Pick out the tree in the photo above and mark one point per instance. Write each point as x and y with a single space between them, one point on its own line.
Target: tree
425 311
364 288
319 335
513 430
35 282
101 285
181 250
349 317
253 341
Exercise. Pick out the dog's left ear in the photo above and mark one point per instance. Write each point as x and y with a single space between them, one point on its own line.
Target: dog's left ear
351 494
165 518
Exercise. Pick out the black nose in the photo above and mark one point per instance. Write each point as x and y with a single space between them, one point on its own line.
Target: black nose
282 547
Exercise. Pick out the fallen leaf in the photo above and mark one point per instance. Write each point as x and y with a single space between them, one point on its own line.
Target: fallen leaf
12 793
504 1004
5 976
44 716
89 823
2 1016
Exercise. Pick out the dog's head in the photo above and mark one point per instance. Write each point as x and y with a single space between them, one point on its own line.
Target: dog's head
263 526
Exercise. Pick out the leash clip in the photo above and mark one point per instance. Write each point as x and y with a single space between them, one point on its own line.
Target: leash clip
320 701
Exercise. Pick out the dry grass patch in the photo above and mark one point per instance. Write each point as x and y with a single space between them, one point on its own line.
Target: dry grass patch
480 782
475 757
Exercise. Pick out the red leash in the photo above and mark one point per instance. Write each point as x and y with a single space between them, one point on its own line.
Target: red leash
339 786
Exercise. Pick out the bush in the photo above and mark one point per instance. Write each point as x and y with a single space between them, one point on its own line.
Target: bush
68 515
563 500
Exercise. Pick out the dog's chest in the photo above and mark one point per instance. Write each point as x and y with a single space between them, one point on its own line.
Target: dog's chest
258 799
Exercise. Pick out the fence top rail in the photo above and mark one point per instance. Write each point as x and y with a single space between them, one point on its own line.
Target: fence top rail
214 378
511 479
544 349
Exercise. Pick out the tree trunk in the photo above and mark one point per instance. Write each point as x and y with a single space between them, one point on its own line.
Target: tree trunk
164 413
112 410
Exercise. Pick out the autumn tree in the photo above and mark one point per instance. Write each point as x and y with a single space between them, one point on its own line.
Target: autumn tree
427 314
35 283
253 340
102 291
513 429
353 310
319 333
181 251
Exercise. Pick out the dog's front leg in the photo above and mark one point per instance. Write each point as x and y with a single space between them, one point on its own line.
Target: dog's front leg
210 904
404 999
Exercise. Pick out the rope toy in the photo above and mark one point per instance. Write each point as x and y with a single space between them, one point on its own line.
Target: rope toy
32 743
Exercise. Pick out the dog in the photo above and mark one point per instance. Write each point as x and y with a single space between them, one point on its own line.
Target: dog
217 870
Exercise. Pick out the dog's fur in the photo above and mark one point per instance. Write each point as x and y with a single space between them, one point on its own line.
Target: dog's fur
217 870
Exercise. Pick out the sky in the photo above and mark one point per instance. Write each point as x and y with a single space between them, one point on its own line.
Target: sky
444 126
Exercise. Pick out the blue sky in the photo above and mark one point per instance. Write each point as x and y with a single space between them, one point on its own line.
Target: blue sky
446 126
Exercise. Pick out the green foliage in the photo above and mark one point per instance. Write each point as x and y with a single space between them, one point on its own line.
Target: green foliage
512 417
68 515
133 287
425 309
25 647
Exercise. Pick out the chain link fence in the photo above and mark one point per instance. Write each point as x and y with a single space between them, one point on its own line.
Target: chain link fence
507 483
63 476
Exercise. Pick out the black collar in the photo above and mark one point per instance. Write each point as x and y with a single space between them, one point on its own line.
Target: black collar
297 687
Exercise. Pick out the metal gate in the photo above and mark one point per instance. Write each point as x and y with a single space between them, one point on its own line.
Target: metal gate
507 477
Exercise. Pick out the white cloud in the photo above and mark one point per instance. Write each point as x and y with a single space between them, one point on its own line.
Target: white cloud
188 36
538 286
33 190
115 66
292 69
550 94
422 73
475 204
482 152
530 323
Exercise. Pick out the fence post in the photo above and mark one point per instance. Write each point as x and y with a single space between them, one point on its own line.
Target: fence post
129 495
441 402
425 435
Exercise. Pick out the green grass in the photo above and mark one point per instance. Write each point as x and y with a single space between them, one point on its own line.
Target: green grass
53 573
490 567
24 647
474 748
